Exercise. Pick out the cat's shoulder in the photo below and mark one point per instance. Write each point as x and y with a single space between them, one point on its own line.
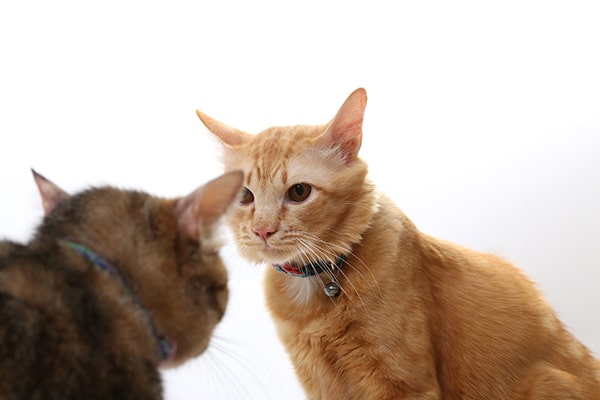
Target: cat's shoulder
388 215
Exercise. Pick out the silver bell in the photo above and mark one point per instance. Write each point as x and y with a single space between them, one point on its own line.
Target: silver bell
332 289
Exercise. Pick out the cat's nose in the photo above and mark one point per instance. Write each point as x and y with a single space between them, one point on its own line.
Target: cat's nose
264 233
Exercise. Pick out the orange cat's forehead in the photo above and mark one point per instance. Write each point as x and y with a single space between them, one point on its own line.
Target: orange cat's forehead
283 141
268 154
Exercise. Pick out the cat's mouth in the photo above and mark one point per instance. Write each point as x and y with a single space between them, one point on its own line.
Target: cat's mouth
281 257
273 252
274 255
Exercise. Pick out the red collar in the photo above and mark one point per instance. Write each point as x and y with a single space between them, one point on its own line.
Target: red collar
310 269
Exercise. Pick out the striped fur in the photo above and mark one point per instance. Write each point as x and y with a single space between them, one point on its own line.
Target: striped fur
69 330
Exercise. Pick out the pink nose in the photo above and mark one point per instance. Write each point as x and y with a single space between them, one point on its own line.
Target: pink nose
264 233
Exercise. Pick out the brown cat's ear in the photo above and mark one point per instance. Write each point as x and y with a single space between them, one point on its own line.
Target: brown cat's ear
345 129
51 194
198 212
227 135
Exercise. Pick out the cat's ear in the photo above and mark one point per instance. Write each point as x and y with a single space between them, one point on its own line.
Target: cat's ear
51 194
345 129
227 135
198 212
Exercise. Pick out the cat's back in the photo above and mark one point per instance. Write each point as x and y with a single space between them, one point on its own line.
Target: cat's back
23 277
34 276
33 324
55 330
477 287
485 315
489 318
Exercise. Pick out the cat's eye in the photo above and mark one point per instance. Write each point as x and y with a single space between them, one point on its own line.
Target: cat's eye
247 196
299 192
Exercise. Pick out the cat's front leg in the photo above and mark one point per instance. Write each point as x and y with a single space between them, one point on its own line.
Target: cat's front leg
365 377
398 391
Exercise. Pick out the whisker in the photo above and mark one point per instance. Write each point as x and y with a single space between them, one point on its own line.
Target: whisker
308 247
303 249
319 252
350 265
329 251
241 391
218 372
210 376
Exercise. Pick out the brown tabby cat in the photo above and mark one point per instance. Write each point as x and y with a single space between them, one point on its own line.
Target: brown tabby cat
113 284
404 315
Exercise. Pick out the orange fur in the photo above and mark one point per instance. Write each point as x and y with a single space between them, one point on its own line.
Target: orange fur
418 317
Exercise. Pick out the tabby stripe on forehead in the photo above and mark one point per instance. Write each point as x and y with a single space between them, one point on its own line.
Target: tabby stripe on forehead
264 172
259 175
284 175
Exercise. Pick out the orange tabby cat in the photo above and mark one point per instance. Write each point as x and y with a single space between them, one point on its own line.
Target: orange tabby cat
404 315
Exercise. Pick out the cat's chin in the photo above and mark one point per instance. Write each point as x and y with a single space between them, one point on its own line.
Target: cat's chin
267 255
274 257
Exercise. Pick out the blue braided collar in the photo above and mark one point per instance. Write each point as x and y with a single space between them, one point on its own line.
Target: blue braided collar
310 269
165 346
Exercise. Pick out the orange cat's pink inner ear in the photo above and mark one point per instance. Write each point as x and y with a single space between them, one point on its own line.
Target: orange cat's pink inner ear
226 134
345 129
51 194
198 212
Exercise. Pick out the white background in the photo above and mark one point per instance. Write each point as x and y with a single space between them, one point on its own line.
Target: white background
483 123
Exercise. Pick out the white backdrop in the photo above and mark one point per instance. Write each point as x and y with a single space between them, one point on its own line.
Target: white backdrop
483 123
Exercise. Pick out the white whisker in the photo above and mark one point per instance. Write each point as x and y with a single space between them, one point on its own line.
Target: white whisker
327 253
310 247
226 374
350 265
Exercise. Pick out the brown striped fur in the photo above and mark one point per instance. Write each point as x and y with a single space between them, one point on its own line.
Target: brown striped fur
418 318
69 330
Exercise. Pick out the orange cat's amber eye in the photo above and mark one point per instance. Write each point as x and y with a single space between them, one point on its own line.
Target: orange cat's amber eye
247 196
299 192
